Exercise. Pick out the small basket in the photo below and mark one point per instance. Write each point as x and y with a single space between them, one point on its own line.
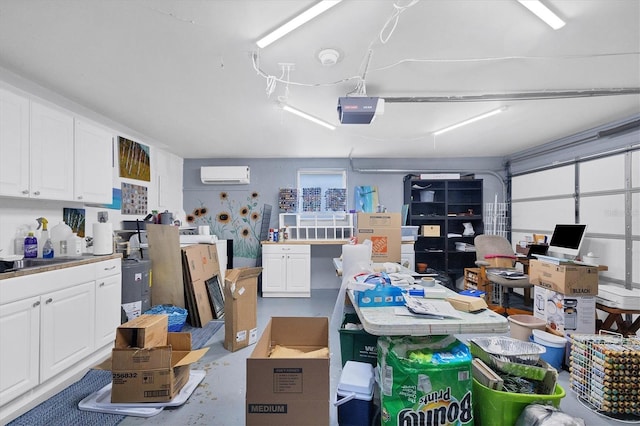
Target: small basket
177 316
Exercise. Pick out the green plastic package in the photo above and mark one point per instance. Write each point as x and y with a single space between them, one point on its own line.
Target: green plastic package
425 381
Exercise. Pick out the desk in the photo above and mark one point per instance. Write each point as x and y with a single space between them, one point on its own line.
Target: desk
626 328
384 322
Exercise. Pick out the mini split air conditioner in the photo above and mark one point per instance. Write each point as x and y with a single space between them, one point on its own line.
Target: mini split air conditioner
224 175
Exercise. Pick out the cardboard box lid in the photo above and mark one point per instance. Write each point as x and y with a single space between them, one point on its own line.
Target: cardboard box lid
379 220
238 275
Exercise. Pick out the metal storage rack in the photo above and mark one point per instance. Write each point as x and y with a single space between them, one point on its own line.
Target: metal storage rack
604 373
317 226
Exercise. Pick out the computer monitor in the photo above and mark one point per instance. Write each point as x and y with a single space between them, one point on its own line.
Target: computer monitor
567 240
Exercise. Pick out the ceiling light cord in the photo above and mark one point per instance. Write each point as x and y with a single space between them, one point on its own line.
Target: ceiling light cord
393 21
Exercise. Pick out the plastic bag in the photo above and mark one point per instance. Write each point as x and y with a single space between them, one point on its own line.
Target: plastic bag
546 415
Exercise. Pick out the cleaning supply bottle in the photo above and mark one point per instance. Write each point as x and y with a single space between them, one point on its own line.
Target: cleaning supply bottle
30 246
47 248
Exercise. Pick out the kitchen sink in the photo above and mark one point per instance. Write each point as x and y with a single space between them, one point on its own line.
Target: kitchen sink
40 262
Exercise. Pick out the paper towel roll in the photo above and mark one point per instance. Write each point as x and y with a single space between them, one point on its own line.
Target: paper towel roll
355 258
102 238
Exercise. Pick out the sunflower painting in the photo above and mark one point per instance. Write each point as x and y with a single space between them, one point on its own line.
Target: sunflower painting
235 219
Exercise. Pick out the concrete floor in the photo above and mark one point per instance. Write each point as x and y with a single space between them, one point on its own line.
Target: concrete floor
220 398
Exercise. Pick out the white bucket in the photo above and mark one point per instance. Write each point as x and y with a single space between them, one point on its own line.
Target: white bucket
548 339
520 326
427 196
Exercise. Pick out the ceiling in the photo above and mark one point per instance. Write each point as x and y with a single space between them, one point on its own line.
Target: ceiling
182 72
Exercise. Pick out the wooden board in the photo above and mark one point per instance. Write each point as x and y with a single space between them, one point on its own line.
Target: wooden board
166 265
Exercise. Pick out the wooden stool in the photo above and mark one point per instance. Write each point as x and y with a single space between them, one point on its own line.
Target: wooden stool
624 327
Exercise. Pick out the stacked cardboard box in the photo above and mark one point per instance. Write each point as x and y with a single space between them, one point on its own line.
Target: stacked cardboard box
148 364
384 232
565 296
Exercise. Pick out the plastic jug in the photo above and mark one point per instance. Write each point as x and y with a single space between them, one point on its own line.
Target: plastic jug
60 232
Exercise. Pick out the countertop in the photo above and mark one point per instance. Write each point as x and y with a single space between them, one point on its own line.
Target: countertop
84 259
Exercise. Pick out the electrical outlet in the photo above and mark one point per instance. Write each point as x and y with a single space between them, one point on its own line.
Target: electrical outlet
103 216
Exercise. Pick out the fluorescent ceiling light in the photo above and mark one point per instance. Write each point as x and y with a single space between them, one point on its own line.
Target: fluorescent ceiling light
471 120
544 13
302 114
301 19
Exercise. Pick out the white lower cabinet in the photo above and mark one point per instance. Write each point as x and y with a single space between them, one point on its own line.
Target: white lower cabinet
108 301
54 325
20 348
67 328
286 270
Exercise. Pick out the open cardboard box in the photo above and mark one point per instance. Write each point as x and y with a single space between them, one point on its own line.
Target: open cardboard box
289 391
151 374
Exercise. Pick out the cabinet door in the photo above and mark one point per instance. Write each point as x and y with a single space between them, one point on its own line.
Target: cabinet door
51 153
93 163
14 144
67 328
298 273
19 351
107 312
274 273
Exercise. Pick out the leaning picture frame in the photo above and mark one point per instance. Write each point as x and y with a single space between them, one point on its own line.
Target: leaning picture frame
216 298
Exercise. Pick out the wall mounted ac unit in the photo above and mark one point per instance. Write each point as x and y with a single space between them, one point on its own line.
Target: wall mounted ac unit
224 175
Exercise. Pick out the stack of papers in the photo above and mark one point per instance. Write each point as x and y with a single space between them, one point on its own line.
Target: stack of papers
512 274
432 308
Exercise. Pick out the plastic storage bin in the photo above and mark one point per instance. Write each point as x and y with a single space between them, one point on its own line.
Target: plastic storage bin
357 345
555 346
521 326
355 394
177 315
496 408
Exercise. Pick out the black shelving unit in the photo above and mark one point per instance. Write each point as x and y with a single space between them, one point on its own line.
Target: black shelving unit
446 204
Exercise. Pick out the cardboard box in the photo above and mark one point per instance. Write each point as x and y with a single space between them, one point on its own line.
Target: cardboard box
430 230
289 391
569 279
154 374
564 313
145 331
200 265
240 307
467 303
384 232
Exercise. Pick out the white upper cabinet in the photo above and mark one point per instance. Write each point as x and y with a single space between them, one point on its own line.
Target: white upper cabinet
14 144
93 163
51 165
47 153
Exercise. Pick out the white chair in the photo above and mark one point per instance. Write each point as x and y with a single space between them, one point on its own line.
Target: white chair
494 253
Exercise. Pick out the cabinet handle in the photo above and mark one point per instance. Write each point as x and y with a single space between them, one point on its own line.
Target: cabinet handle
49 300
36 193
80 197
25 191
110 268
36 304
101 284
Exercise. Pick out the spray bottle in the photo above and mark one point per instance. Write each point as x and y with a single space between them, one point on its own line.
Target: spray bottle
47 247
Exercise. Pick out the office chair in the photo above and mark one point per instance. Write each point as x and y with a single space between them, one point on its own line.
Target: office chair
494 253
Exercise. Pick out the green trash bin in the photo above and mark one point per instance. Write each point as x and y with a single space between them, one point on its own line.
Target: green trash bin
357 344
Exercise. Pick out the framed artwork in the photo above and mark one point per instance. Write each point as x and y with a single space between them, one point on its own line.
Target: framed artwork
75 219
134 199
134 158
216 298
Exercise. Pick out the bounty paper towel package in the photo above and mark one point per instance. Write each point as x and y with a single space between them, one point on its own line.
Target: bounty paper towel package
425 380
